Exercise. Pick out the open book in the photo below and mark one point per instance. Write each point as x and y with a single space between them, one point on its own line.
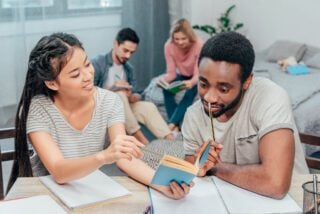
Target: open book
178 170
217 196
92 188
173 87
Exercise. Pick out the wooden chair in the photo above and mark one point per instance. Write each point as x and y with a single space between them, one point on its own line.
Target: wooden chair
313 160
5 133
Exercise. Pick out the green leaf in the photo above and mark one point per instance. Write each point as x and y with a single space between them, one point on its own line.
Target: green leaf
238 26
210 30
229 10
224 24
225 21
205 28
213 29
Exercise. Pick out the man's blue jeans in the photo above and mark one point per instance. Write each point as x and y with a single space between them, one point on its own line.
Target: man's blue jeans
176 111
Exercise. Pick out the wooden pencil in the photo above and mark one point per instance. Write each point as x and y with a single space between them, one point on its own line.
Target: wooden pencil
211 120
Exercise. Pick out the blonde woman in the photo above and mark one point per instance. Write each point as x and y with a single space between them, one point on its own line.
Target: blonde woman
181 53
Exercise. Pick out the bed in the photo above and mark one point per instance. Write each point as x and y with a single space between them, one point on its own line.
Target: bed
304 90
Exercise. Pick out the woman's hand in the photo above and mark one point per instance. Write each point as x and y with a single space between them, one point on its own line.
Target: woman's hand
213 158
123 146
188 84
175 191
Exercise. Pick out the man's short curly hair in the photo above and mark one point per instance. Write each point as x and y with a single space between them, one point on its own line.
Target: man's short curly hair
231 47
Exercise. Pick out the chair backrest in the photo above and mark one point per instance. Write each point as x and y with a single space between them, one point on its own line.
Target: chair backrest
5 133
312 161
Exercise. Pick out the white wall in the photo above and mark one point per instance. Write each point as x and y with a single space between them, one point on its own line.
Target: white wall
17 39
265 20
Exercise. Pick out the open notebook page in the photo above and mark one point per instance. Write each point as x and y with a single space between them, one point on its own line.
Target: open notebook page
203 198
92 188
32 205
239 200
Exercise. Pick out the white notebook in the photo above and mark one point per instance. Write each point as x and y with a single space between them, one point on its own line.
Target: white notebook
90 189
211 194
238 200
203 198
33 205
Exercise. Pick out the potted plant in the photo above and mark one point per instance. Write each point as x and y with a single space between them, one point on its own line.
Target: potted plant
225 24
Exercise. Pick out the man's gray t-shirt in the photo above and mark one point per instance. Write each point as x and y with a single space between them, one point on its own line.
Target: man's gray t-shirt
45 116
265 107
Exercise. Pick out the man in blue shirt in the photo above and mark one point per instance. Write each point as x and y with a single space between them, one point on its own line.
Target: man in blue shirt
114 72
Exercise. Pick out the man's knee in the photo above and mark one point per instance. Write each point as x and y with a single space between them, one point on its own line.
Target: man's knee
145 108
150 106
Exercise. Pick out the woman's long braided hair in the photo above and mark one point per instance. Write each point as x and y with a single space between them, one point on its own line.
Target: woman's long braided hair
46 61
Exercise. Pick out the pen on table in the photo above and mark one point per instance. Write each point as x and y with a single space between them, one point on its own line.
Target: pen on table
315 190
211 120
147 210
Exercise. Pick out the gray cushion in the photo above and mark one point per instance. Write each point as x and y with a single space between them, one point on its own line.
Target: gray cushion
153 93
310 52
314 61
283 49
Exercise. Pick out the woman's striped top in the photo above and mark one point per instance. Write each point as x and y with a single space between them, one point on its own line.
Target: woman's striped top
45 116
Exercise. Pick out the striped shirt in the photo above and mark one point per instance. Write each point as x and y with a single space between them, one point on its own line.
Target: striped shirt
45 116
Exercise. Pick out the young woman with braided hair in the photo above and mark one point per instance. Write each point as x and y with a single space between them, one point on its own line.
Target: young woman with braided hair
73 127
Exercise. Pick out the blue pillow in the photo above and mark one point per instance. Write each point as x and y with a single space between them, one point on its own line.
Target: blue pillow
298 69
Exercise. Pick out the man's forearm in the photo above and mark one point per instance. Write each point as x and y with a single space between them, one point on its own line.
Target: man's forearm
255 178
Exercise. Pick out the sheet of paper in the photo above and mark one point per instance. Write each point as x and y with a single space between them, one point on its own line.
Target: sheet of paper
203 198
33 205
239 200
93 188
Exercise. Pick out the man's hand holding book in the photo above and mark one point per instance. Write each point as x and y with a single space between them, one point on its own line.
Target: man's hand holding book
213 157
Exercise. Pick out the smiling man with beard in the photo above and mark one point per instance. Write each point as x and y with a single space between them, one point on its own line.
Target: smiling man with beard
256 146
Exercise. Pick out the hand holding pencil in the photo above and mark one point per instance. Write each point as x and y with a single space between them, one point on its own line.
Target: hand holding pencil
213 157
214 153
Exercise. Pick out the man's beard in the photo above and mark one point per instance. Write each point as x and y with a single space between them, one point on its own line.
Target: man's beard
121 60
231 105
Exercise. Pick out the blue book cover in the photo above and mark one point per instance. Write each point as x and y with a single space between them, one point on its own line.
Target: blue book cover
177 175
178 170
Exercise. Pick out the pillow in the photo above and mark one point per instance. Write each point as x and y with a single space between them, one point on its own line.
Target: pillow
283 49
153 92
313 61
310 52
